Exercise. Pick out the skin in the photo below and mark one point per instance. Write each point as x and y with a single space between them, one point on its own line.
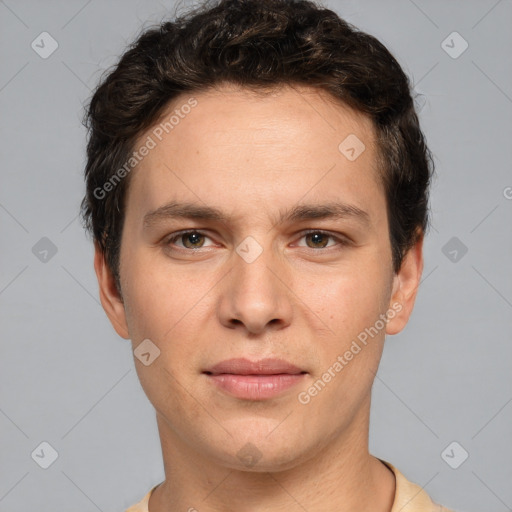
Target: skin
303 300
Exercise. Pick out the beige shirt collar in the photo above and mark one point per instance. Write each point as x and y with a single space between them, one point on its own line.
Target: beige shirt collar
409 497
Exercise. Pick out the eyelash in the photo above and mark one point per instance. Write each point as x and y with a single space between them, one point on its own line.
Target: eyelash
175 236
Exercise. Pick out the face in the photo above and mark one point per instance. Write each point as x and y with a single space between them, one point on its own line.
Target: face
255 257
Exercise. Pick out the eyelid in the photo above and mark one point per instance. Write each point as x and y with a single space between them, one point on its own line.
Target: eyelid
338 237
178 234
341 239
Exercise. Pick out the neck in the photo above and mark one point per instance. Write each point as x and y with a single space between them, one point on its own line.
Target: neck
341 476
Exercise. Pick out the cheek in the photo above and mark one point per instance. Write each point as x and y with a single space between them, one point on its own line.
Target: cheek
347 300
167 305
155 298
351 306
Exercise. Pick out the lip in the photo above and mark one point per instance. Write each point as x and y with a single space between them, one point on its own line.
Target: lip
254 380
242 366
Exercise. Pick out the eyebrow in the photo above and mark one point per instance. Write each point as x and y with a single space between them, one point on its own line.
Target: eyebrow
301 212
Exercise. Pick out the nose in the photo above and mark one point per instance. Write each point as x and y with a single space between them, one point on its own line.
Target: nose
255 295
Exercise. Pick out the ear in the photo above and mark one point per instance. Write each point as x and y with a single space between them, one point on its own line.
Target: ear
405 288
110 298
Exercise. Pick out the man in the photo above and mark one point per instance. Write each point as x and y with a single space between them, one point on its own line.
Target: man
257 190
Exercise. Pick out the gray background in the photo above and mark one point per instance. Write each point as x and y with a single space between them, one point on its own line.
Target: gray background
69 380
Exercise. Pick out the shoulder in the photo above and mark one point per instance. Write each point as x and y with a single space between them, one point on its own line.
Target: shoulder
142 505
410 497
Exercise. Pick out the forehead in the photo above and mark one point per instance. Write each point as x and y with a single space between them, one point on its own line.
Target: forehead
248 147
306 113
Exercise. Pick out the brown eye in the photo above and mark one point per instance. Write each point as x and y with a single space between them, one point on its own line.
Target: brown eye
187 240
192 240
318 239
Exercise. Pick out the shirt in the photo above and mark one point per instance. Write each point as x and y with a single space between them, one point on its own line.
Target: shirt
409 497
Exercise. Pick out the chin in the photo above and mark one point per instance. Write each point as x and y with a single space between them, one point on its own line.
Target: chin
262 450
251 459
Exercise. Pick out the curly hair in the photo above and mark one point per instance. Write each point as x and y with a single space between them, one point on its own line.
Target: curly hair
257 44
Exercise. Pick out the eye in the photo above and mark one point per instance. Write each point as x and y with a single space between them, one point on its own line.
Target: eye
320 239
193 239
190 239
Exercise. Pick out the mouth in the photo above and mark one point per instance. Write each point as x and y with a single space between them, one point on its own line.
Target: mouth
254 380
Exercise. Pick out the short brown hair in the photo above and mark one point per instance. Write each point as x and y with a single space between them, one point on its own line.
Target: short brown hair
255 44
